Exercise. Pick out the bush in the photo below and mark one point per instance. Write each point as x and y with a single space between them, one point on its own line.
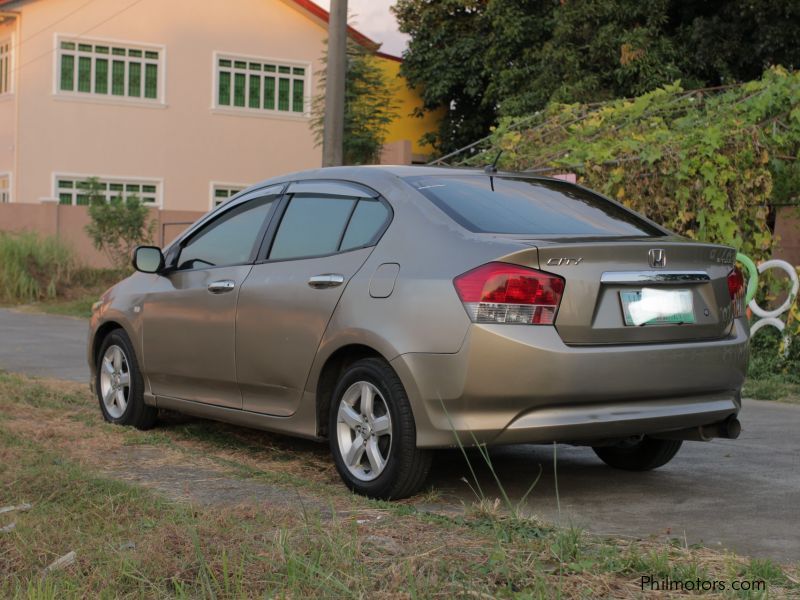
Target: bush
33 268
706 165
118 225
767 358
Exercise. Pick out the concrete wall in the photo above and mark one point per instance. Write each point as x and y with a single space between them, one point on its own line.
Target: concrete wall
68 224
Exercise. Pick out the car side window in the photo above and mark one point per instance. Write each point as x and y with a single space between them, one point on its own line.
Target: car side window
366 223
311 226
229 239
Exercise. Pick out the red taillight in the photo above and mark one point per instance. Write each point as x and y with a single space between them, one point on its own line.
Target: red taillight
503 293
736 290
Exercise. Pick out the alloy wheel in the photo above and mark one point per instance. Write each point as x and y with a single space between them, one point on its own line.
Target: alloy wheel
115 381
364 430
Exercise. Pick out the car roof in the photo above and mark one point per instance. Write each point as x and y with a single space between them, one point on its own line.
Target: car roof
365 173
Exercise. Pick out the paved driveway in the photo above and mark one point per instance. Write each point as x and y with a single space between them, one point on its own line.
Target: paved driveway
44 345
742 494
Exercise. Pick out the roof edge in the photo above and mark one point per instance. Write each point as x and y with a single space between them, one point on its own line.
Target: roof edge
322 17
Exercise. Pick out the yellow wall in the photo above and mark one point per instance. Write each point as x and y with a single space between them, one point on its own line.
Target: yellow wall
406 126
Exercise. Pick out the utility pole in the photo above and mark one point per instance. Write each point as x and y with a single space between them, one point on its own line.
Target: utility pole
333 134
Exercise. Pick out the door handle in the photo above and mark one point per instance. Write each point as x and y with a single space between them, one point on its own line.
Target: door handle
220 287
326 280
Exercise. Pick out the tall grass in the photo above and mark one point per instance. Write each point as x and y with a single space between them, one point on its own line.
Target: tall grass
33 268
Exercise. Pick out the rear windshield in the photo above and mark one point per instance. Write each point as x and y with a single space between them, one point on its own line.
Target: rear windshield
528 207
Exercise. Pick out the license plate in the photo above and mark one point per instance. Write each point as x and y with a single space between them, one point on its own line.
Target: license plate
651 306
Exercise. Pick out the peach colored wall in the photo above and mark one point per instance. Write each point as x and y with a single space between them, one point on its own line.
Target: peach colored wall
184 142
68 223
8 106
397 153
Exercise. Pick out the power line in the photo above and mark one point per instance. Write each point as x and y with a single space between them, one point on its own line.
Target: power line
53 24
82 33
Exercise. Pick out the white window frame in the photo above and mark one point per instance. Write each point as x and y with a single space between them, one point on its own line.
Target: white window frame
158 182
92 96
261 112
215 185
9 69
7 191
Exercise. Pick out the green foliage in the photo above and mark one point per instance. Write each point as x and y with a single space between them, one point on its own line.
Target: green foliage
449 39
33 268
767 359
487 58
369 107
700 164
118 225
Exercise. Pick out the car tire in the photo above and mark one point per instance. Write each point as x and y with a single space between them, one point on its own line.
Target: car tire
374 442
119 384
645 455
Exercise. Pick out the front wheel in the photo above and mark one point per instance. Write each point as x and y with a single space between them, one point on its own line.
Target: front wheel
119 384
644 455
373 435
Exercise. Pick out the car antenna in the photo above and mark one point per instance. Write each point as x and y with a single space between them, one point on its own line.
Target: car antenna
491 169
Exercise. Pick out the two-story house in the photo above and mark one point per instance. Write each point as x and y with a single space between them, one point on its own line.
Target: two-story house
180 102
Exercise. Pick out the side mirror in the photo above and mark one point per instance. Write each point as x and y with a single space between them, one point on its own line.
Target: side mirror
148 259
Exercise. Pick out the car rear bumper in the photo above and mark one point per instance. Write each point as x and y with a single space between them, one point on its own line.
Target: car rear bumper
517 384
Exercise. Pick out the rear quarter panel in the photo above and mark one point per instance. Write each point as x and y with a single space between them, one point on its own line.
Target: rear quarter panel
423 313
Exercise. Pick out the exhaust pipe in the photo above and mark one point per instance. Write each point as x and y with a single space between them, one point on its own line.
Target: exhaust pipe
730 429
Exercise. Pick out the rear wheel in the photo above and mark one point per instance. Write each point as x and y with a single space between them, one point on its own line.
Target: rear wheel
119 384
644 455
372 433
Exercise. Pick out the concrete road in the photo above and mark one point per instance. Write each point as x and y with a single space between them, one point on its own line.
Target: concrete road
44 345
741 494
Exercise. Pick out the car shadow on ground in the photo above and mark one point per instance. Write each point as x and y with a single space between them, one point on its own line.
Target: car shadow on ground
235 437
578 471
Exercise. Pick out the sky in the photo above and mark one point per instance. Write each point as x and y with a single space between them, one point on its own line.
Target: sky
373 19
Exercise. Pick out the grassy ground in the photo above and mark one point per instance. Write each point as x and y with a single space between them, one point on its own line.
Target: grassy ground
194 509
772 388
76 297
43 274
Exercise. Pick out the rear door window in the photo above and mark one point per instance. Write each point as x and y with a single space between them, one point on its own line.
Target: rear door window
529 207
311 226
317 222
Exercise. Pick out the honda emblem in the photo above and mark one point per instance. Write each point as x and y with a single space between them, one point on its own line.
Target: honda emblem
657 258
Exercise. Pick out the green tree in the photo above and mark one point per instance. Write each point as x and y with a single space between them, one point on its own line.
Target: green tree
369 107
117 225
481 59
446 60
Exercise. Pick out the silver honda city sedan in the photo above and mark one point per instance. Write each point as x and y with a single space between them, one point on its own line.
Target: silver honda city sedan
395 310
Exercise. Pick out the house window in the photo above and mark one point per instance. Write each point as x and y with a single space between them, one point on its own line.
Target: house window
76 190
220 192
261 85
5 189
5 66
109 70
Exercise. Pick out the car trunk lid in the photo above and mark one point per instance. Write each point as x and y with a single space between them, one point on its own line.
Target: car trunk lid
612 286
